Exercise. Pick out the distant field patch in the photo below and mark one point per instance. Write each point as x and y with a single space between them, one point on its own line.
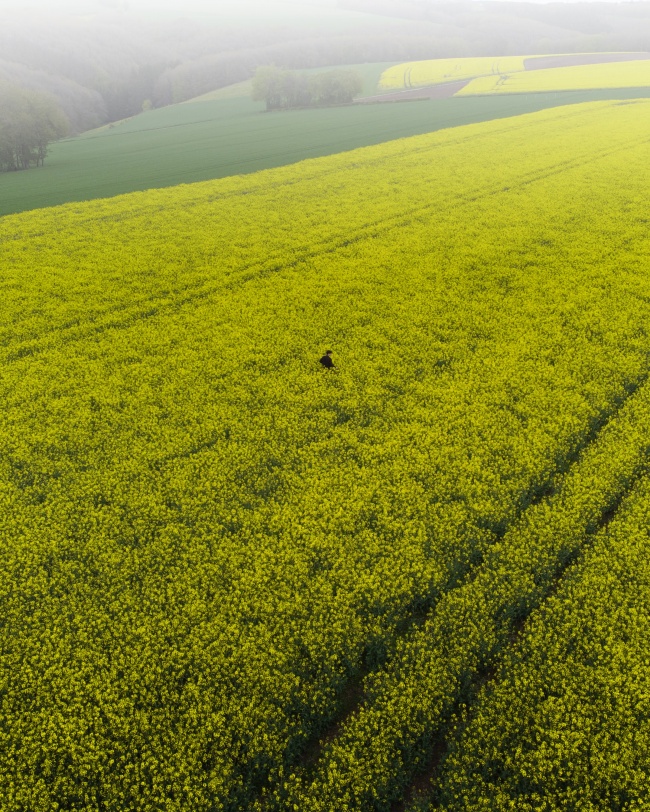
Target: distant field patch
570 60
580 77
438 71
433 72
444 91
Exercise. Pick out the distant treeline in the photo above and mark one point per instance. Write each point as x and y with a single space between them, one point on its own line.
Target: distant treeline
113 63
285 89
29 122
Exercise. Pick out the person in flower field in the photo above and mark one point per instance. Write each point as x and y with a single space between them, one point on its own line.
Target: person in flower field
326 360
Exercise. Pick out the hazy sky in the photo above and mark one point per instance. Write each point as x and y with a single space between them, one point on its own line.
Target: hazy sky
81 6
228 9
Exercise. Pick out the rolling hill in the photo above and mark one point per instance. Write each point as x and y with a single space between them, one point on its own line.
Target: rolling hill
233 580
103 58
224 133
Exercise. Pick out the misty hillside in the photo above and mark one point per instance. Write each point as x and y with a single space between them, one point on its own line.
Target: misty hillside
103 64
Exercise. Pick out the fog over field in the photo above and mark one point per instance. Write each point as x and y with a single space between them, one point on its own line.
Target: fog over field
102 59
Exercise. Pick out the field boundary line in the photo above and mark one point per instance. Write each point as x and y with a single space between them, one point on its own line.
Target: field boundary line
248 188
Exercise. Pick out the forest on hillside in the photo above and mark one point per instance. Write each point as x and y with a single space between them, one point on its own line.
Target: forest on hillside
109 63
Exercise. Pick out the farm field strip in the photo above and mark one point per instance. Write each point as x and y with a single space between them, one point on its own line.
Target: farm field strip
432 72
187 285
571 694
436 668
439 71
240 139
209 539
581 77
571 60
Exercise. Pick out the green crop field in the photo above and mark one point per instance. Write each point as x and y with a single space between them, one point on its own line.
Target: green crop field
232 580
228 134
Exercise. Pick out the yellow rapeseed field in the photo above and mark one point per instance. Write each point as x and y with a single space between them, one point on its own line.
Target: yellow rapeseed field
566 725
438 71
232 580
580 77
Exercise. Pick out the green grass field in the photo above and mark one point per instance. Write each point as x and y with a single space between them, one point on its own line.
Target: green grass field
224 136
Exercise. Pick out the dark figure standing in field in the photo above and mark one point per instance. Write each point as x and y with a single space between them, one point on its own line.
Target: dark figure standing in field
326 360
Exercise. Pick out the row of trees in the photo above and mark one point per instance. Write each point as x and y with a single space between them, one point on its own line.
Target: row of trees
29 122
284 89
195 77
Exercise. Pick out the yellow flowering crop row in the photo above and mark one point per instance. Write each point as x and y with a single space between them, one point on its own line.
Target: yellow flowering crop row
438 71
433 670
207 538
580 77
566 727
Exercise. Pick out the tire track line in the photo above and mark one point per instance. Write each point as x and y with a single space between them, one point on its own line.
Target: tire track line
471 626
202 290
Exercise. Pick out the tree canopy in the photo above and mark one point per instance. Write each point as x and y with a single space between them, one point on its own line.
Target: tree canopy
283 89
29 122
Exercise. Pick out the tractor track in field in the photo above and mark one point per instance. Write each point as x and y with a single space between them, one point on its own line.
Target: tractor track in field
422 787
422 784
353 697
30 345
152 307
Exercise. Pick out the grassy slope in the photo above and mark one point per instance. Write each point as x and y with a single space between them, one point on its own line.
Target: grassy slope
229 136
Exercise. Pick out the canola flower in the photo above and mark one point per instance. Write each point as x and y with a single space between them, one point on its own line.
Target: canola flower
579 77
432 671
565 724
205 537
438 71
